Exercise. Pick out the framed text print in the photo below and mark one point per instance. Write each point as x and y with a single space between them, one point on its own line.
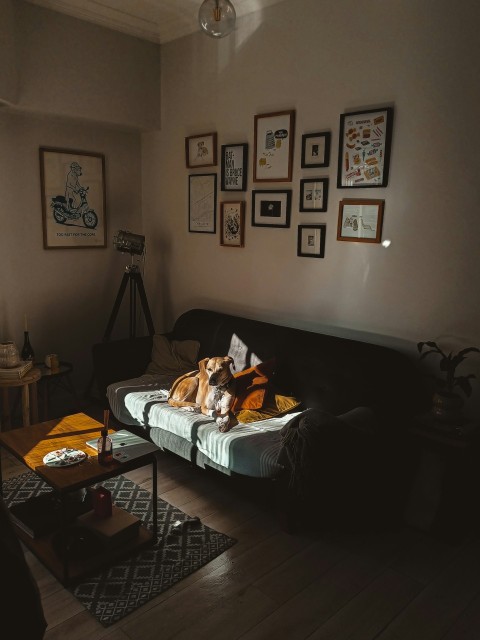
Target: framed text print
364 148
274 137
234 167
73 199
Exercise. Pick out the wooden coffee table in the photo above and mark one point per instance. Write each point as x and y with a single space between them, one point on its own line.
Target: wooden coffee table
31 444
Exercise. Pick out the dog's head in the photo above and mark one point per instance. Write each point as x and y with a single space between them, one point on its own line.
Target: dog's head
217 370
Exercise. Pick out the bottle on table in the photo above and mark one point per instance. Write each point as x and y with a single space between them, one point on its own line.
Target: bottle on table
104 444
27 349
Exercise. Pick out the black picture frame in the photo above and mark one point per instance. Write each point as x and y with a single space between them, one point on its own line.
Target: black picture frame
271 208
202 203
364 148
316 149
313 195
234 167
311 240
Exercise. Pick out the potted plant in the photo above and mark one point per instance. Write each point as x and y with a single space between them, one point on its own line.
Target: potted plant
447 404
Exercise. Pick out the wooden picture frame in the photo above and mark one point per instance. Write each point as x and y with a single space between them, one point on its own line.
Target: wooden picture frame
232 224
316 149
311 240
202 203
364 148
313 195
73 199
201 150
274 144
271 208
360 220
234 167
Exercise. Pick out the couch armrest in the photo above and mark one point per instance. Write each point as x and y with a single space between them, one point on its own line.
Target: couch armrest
120 360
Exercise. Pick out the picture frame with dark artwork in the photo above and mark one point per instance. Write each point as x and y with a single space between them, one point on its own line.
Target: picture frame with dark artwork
274 144
271 208
202 203
201 150
232 224
73 199
313 195
316 149
234 167
311 240
364 148
360 220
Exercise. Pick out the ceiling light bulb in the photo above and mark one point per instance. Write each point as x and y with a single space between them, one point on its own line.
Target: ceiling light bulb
217 17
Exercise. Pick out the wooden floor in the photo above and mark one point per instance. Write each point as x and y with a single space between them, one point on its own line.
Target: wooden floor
397 585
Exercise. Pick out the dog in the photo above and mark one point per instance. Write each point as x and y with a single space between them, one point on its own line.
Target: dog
209 390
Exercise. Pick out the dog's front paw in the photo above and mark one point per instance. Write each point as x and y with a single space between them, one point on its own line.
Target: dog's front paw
224 424
191 409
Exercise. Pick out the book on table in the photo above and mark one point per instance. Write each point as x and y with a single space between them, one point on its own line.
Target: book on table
126 445
16 373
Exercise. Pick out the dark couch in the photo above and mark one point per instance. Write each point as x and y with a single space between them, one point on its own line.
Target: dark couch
323 371
362 472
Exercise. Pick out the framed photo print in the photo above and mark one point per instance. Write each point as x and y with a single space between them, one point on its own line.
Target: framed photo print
201 151
271 208
311 240
232 225
73 199
364 148
316 149
360 220
202 203
274 138
314 194
234 167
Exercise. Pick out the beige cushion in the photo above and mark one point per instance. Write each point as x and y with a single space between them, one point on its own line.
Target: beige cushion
173 357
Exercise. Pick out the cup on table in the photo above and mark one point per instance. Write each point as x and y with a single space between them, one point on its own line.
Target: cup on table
52 361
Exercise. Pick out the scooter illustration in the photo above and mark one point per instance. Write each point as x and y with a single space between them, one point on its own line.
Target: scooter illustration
63 212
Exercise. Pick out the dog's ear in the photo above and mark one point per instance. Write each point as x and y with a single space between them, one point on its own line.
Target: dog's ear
230 360
202 364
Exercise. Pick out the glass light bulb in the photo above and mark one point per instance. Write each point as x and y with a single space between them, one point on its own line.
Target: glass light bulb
217 17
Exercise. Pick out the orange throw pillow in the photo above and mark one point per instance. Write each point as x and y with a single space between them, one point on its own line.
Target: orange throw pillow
251 386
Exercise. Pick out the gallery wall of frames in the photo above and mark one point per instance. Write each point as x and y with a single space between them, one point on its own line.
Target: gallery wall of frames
364 148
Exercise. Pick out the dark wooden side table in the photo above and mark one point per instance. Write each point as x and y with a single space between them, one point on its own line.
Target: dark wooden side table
28 386
444 492
52 380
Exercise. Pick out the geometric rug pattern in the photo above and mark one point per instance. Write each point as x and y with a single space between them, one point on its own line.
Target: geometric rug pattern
184 545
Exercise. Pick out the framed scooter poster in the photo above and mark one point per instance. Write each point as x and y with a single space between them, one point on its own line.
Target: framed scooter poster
73 199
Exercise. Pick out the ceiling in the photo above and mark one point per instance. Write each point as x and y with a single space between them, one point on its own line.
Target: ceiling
159 21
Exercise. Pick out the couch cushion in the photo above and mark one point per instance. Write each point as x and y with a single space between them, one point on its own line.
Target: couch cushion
173 357
252 385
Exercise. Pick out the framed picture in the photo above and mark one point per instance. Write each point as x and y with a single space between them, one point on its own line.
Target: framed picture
232 216
313 194
201 151
234 167
360 220
311 240
73 199
274 138
364 148
202 203
316 149
271 208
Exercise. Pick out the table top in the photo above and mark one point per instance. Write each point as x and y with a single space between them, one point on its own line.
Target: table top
31 444
61 370
33 375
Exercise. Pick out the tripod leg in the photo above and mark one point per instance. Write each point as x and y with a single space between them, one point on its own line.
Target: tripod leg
116 307
144 301
133 307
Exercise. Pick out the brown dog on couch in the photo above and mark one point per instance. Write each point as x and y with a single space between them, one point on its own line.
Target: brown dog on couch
210 390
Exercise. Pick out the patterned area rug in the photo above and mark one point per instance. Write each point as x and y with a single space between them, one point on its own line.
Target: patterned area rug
184 545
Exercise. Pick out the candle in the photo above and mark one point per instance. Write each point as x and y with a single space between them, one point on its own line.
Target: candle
26 325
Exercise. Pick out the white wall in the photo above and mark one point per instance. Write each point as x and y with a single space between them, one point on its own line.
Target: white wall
322 59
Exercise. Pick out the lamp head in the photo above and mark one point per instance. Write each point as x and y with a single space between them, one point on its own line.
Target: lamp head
129 243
